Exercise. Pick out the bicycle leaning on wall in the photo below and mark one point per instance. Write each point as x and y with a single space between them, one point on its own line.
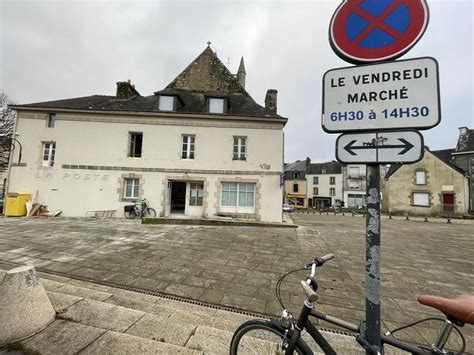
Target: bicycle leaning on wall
141 208
283 336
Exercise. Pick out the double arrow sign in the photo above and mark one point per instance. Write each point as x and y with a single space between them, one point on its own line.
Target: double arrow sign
406 146
380 147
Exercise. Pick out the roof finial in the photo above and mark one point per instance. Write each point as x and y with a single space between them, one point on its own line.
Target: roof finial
209 43
228 61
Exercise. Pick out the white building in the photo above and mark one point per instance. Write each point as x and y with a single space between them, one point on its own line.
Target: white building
354 176
200 147
324 184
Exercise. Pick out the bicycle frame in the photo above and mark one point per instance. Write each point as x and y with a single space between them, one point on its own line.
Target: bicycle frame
304 322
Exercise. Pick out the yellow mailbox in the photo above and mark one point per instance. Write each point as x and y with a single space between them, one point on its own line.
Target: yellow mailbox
15 204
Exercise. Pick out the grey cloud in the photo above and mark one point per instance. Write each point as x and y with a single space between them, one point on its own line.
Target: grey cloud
59 49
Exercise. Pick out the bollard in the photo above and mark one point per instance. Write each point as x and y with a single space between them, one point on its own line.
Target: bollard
389 216
334 213
449 221
426 219
327 213
343 214
24 305
406 218
352 214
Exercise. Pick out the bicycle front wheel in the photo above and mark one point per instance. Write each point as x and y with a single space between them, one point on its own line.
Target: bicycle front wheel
262 337
149 212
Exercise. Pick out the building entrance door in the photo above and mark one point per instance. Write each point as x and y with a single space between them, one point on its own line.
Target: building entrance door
178 197
194 198
448 202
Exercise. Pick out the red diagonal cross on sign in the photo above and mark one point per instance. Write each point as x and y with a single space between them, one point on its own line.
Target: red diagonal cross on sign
355 50
377 21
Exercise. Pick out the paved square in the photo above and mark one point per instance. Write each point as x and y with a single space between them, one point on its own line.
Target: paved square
239 266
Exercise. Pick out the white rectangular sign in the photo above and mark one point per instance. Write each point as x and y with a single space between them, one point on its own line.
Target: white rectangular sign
380 147
388 96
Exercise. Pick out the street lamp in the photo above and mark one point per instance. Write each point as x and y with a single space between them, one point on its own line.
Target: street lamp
21 148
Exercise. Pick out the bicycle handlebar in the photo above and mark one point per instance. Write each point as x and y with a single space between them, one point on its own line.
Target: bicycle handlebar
319 261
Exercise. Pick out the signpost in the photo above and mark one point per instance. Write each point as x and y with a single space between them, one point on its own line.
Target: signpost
376 104
380 147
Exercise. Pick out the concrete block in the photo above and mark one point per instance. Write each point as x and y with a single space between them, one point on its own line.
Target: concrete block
62 301
162 329
102 315
24 305
117 343
212 341
62 337
83 292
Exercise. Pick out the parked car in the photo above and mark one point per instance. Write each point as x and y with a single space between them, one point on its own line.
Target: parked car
288 208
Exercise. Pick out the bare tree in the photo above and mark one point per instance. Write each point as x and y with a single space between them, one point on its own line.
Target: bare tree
7 122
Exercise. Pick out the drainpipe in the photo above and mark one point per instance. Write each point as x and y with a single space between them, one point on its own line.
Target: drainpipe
10 160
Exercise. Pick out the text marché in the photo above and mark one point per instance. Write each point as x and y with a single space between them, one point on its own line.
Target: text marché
382 95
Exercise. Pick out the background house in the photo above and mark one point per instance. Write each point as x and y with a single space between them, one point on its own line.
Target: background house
199 147
324 184
354 185
463 158
295 183
433 186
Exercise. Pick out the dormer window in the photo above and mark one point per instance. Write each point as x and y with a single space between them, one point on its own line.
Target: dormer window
216 105
166 103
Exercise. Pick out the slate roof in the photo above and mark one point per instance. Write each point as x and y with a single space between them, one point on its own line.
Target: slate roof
299 165
466 142
192 94
445 155
331 167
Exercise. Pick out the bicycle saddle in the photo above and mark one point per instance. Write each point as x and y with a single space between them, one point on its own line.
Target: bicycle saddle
460 307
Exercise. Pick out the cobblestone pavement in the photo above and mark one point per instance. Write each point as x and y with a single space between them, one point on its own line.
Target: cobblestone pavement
239 266
232 266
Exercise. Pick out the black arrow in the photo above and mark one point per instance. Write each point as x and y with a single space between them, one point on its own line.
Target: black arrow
406 146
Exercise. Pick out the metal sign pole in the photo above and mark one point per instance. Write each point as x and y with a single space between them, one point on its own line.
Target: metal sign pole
372 257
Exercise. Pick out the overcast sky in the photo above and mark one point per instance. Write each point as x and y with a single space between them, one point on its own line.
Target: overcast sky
62 49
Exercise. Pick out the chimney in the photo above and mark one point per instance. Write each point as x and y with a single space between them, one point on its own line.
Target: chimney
241 73
308 163
126 90
463 139
271 100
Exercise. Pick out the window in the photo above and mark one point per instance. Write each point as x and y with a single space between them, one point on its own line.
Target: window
332 180
188 147
355 200
421 199
240 148
315 191
135 141
315 180
131 188
332 191
49 151
296 175
354 184
420 178
195 193
354 171
216 105
51 120
295 187
323 171
166 103
238 197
